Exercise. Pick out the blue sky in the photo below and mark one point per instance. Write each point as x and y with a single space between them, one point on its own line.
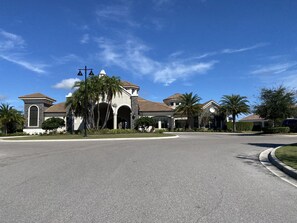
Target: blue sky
209 47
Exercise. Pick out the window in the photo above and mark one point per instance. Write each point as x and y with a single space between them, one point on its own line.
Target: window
33 113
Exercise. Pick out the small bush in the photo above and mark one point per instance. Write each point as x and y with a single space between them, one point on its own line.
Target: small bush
53 124
240 126
160 131
110 131
274 130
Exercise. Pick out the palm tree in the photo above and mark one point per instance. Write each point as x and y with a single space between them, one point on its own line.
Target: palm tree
189 107
112 86
9 115
97 86
104 88
235 105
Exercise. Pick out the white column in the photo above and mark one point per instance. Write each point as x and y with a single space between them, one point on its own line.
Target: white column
115 121
159 124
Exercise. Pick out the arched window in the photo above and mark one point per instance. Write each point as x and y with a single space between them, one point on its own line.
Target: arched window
33 119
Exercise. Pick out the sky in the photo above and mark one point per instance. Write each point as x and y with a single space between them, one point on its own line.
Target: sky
209 47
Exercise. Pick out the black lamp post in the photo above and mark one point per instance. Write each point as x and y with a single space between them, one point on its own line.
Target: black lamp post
86 96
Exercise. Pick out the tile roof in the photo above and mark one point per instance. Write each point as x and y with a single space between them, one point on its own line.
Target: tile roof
174 96
252 117
129 84
57 108
36 95
150 106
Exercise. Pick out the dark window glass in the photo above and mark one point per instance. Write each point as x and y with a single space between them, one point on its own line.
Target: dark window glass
33 116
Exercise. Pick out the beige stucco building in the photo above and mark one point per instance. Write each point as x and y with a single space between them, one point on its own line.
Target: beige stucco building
126 108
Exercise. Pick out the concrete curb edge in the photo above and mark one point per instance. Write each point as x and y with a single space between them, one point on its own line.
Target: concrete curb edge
280 165
89 140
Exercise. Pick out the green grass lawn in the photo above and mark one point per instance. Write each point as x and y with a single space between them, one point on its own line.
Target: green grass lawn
288 155
102 136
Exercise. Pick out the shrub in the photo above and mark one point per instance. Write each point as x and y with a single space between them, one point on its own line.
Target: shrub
53 124
110 131
240 126
144 122
274 130
160 131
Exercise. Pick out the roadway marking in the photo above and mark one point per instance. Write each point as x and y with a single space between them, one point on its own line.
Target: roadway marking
263 157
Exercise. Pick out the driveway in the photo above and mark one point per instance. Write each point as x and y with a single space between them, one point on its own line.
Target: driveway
194 178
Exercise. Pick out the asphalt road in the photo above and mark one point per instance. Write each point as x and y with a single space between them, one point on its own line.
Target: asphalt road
194 178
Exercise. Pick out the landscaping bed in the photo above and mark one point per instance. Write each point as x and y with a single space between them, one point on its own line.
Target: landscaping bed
288 155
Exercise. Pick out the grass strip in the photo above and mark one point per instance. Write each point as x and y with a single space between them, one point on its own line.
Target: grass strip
288 155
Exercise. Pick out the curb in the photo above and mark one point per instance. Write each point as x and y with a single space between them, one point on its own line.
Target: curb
280 165
92 140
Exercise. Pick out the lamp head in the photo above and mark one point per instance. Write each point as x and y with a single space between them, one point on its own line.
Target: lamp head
80 73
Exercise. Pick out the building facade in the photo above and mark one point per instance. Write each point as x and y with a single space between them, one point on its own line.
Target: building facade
126 108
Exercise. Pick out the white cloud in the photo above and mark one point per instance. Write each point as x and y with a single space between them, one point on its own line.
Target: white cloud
132 56
9 41
115 13
11 49
37 68
274 68
66 83
244 48
2 97
85 39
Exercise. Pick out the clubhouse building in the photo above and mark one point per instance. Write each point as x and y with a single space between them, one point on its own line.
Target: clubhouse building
126 108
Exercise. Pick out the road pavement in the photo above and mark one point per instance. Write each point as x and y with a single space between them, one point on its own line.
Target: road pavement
197 177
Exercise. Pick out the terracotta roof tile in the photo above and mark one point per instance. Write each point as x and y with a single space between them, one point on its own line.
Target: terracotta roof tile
252 117
57 108
150 106
129 84
36 95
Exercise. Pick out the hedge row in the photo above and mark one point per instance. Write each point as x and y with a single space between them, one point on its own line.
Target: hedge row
240 126
274 130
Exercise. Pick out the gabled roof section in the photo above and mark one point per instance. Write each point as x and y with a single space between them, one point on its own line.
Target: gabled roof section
175 97
37 96
127 84
252 117
204 105
57 108
150 106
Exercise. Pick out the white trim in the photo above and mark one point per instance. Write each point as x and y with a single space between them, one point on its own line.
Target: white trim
118 107
30 115
211 101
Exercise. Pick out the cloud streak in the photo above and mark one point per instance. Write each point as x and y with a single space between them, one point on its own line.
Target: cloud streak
66 83
118 14
11 50
37 68
133 56
274 68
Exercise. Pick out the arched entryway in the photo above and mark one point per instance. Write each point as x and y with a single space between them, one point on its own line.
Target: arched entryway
102 113
124 117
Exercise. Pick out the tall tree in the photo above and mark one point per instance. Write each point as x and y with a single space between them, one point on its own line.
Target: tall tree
9 116
112 86
234 105
276 104
189 107
102 88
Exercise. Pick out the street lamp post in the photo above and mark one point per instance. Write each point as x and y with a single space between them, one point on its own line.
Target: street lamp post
86 95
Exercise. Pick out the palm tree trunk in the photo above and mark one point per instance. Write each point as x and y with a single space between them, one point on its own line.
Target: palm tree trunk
189 120
98 115
234 124
107 115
